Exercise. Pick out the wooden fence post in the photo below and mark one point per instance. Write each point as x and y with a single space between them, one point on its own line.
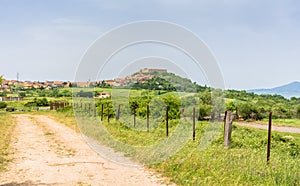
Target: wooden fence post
148 117
228 129
102 112
89 109
108 112
134 117
194 123
95 111
182 112
225 121
167 121
237 113
118 113
269 138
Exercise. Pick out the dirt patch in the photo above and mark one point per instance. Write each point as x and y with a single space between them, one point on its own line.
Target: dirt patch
48 153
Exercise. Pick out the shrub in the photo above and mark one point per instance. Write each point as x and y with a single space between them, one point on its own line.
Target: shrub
42 102
10 109
249 111
3 105
38 102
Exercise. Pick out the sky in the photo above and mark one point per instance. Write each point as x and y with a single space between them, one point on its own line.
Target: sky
256 43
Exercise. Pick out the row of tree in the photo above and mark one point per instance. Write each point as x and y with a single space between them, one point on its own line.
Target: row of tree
211 103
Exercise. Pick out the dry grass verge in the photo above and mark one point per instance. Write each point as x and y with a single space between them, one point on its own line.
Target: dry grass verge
7 124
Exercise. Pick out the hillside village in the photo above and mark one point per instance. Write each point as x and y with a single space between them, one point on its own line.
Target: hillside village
142 76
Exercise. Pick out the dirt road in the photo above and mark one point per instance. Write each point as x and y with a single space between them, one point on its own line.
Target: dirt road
274 128
48 153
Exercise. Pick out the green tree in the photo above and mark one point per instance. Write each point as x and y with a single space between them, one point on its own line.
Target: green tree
205 97
1 80
298 111
230 106
173 103
204 110
140 104
107 105
249 110
42 102
218 102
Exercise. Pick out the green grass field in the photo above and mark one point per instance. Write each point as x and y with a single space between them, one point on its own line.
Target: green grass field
283 122
242 164
7 124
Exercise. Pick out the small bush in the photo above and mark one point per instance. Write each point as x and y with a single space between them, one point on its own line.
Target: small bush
42 102
10 109
38 103
3 105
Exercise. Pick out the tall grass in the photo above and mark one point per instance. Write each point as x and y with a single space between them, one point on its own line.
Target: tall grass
244 163
7 124
284 122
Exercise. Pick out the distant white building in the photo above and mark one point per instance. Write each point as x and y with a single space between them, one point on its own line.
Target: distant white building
147 70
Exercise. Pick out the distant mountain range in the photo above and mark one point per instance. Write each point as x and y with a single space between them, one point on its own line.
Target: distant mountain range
288 91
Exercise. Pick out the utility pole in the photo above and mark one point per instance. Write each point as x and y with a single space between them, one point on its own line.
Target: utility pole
17 83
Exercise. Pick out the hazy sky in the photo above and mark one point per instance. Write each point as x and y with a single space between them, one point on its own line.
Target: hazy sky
256 43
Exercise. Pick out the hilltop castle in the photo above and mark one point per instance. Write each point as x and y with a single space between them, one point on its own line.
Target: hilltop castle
148 70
